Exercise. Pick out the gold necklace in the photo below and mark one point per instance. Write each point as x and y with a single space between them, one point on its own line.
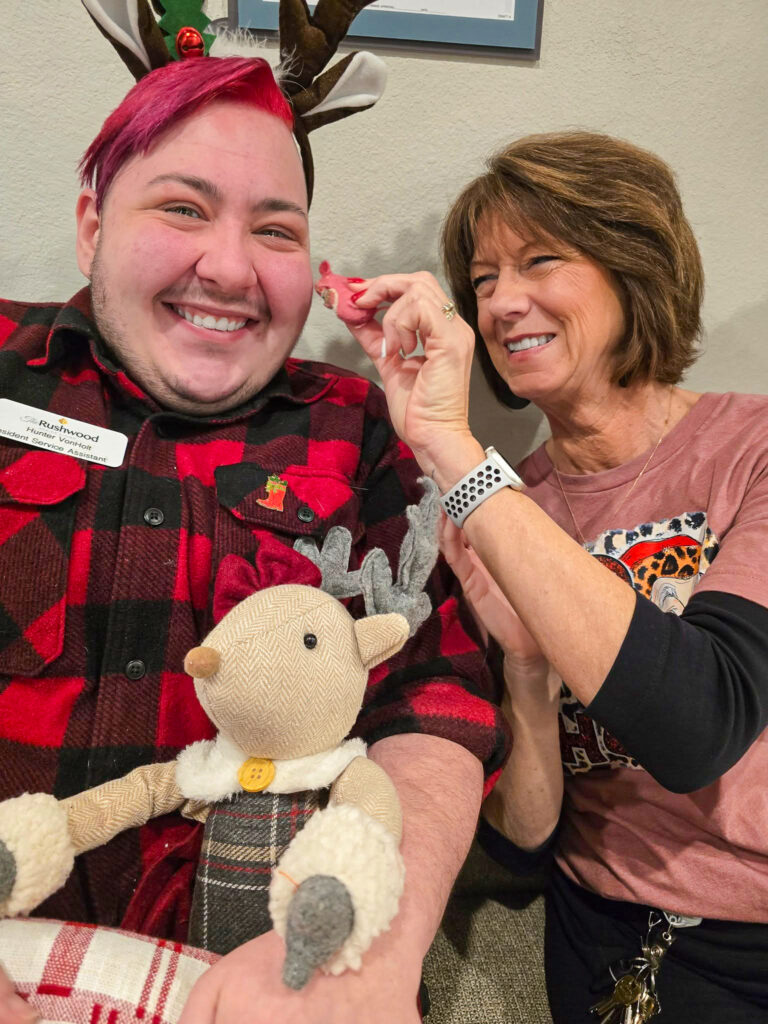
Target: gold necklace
635 482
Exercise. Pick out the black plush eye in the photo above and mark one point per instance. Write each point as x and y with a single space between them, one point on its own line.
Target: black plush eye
310 641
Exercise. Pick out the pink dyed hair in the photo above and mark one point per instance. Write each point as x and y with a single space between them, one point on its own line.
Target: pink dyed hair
166 96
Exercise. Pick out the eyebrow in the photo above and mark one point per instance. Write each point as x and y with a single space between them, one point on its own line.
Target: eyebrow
272 204
524 249
202 185
275 205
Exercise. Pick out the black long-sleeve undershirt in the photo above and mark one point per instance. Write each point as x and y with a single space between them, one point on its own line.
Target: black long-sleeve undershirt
687 695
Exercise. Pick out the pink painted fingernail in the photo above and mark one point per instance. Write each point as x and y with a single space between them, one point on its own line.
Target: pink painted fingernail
356 280
358 295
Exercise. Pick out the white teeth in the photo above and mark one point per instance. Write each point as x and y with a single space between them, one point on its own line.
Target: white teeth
532 341
213 323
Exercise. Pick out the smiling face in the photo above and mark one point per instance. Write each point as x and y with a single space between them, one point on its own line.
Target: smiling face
550 317
199 258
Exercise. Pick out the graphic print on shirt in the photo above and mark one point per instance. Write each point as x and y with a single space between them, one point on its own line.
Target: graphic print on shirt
663 561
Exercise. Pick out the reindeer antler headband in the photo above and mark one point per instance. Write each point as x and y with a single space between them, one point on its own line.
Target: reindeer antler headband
149 34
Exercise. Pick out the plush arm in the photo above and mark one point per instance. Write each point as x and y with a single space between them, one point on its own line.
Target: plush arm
40 836
97 815
367 786
404 891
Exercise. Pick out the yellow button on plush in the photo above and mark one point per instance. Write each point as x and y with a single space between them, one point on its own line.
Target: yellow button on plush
255 774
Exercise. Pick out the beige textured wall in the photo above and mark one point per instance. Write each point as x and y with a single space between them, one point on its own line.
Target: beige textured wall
687 78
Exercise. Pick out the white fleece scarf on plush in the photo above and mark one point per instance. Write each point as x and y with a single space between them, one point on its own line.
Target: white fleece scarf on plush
208 770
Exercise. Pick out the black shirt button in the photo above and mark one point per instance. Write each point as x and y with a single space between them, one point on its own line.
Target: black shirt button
154 517
135 669
305 514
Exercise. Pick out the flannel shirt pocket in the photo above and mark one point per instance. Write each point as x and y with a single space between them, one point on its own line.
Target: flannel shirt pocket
38 502
292 502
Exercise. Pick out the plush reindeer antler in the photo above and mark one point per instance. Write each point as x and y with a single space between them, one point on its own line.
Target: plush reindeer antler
373 579
332 560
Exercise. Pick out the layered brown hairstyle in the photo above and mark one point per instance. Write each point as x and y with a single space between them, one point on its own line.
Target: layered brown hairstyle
611 201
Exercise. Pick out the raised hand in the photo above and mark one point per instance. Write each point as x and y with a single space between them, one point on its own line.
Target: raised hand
428 395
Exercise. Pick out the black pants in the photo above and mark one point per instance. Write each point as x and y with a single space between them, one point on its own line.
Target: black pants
715 973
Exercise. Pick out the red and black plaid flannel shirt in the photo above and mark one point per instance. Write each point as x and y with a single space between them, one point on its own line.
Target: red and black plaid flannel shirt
106 579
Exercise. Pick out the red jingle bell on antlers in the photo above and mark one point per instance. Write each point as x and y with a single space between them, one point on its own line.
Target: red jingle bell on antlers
189 43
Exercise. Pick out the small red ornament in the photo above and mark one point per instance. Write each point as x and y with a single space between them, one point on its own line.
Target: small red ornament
189 43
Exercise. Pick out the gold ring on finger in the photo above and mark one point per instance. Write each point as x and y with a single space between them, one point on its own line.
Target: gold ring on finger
448 310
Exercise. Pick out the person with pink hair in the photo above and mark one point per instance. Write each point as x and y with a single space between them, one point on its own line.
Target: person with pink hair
155 424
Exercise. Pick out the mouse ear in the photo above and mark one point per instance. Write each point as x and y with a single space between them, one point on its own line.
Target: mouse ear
237 578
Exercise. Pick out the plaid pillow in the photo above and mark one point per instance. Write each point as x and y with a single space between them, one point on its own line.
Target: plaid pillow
83 974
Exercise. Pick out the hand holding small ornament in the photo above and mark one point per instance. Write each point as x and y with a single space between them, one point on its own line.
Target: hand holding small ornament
338 292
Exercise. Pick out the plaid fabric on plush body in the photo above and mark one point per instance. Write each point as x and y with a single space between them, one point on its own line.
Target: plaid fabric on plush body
84 975
244 838
106 578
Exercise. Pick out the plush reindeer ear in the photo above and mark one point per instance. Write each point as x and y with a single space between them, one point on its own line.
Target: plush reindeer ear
379 637
132 29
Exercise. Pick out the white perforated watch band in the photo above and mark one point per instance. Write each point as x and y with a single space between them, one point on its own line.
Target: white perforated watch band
480 483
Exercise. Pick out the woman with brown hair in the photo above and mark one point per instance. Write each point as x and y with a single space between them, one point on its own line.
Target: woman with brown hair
638 712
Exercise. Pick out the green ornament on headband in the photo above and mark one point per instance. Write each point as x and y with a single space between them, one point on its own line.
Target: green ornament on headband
184 26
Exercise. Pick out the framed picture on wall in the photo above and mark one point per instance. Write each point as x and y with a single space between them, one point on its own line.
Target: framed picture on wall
509 25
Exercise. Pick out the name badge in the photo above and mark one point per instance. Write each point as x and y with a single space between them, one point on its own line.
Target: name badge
61 434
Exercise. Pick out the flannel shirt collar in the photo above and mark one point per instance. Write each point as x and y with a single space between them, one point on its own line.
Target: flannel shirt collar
73 325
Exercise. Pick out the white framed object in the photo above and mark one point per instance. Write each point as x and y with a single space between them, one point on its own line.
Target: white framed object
508 25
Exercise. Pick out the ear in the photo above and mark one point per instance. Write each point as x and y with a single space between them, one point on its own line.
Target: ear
88 226
379 637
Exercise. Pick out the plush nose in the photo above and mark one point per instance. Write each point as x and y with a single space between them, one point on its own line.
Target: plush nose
202 662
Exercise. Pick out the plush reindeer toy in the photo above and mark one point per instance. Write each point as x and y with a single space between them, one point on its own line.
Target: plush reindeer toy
282 676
